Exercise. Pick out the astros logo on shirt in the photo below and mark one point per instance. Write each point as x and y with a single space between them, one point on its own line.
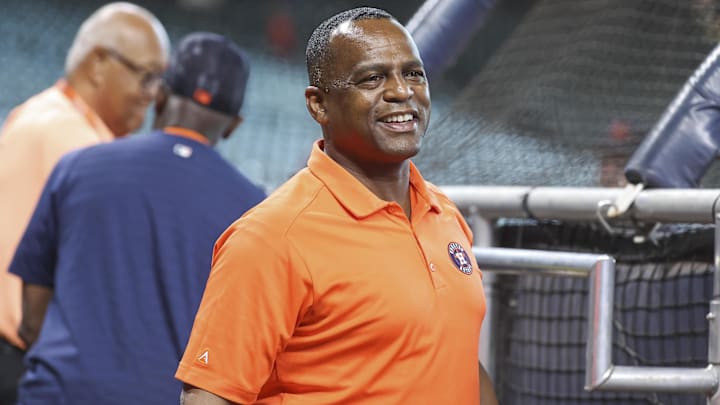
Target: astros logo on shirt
460 258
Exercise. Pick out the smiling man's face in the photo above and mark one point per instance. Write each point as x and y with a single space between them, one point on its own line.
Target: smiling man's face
377 104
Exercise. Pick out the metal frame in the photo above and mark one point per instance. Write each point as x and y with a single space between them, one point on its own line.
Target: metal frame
697 206
581 203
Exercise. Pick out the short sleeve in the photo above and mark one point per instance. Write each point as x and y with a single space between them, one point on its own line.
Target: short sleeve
257 292
36 254
33 140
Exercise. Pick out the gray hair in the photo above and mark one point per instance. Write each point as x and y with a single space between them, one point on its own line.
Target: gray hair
97 31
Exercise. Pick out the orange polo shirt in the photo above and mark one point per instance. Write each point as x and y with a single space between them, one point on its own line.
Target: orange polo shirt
325 294
33 138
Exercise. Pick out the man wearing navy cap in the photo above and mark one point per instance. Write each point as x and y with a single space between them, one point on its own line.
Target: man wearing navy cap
116 256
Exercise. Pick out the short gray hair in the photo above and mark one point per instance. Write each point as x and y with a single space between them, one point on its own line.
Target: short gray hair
92 32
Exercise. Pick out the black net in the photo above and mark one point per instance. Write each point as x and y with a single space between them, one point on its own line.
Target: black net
571 93
662 290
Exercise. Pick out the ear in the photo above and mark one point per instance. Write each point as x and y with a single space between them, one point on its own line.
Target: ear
315 102
236 121
95 65
161 100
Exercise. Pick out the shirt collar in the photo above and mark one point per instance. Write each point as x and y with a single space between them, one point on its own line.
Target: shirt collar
357 198
187 133
422 190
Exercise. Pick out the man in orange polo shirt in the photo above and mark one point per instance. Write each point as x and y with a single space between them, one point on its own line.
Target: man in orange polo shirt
355 281
112 73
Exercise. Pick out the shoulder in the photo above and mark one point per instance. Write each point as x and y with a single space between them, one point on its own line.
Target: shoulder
443 199
264 228
252 193
218 170
277 214
450 209
47 110
50 119
103 162
64 172
130 148
237 179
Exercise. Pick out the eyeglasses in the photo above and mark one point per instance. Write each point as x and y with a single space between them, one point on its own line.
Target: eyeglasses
148 78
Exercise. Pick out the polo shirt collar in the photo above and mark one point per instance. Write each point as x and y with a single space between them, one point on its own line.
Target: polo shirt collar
352 194
419 184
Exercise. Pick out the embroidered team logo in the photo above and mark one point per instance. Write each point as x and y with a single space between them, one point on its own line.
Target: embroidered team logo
460 258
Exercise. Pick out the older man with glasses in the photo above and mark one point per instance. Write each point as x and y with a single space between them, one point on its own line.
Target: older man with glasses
112 74
149 78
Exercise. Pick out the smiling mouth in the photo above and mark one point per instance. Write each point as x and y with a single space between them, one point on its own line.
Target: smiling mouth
404 122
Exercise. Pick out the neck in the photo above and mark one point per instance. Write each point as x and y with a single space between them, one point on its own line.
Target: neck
389 181
80 87
84 90
180 112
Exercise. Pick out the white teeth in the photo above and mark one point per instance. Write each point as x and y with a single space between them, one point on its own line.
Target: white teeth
399 118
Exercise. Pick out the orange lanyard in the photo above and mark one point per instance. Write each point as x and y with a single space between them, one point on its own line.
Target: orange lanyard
83 108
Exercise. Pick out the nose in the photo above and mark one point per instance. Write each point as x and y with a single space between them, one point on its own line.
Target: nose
397 88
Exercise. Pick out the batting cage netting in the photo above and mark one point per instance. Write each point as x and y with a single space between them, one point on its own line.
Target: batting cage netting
662 290
572 91
564 102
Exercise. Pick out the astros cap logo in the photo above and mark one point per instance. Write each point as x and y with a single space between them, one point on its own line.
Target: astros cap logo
202 96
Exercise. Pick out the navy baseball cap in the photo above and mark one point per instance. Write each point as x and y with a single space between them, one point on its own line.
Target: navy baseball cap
209 69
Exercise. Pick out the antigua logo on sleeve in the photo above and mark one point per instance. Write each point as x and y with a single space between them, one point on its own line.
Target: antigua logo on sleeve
460 258
204 357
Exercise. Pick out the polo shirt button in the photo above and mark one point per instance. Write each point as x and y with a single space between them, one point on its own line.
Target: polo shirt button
432 266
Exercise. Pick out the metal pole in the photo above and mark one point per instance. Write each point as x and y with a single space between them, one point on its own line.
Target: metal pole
505 201
487 347
598 366
714 312
675 205
601 374
660 379
544 262
569 203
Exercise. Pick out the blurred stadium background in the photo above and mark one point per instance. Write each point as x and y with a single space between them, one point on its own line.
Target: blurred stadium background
548 92
275 138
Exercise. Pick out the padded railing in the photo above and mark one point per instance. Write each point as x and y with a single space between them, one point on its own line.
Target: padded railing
676 205
600 372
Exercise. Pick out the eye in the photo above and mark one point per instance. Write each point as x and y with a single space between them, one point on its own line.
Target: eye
416 75
371 81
